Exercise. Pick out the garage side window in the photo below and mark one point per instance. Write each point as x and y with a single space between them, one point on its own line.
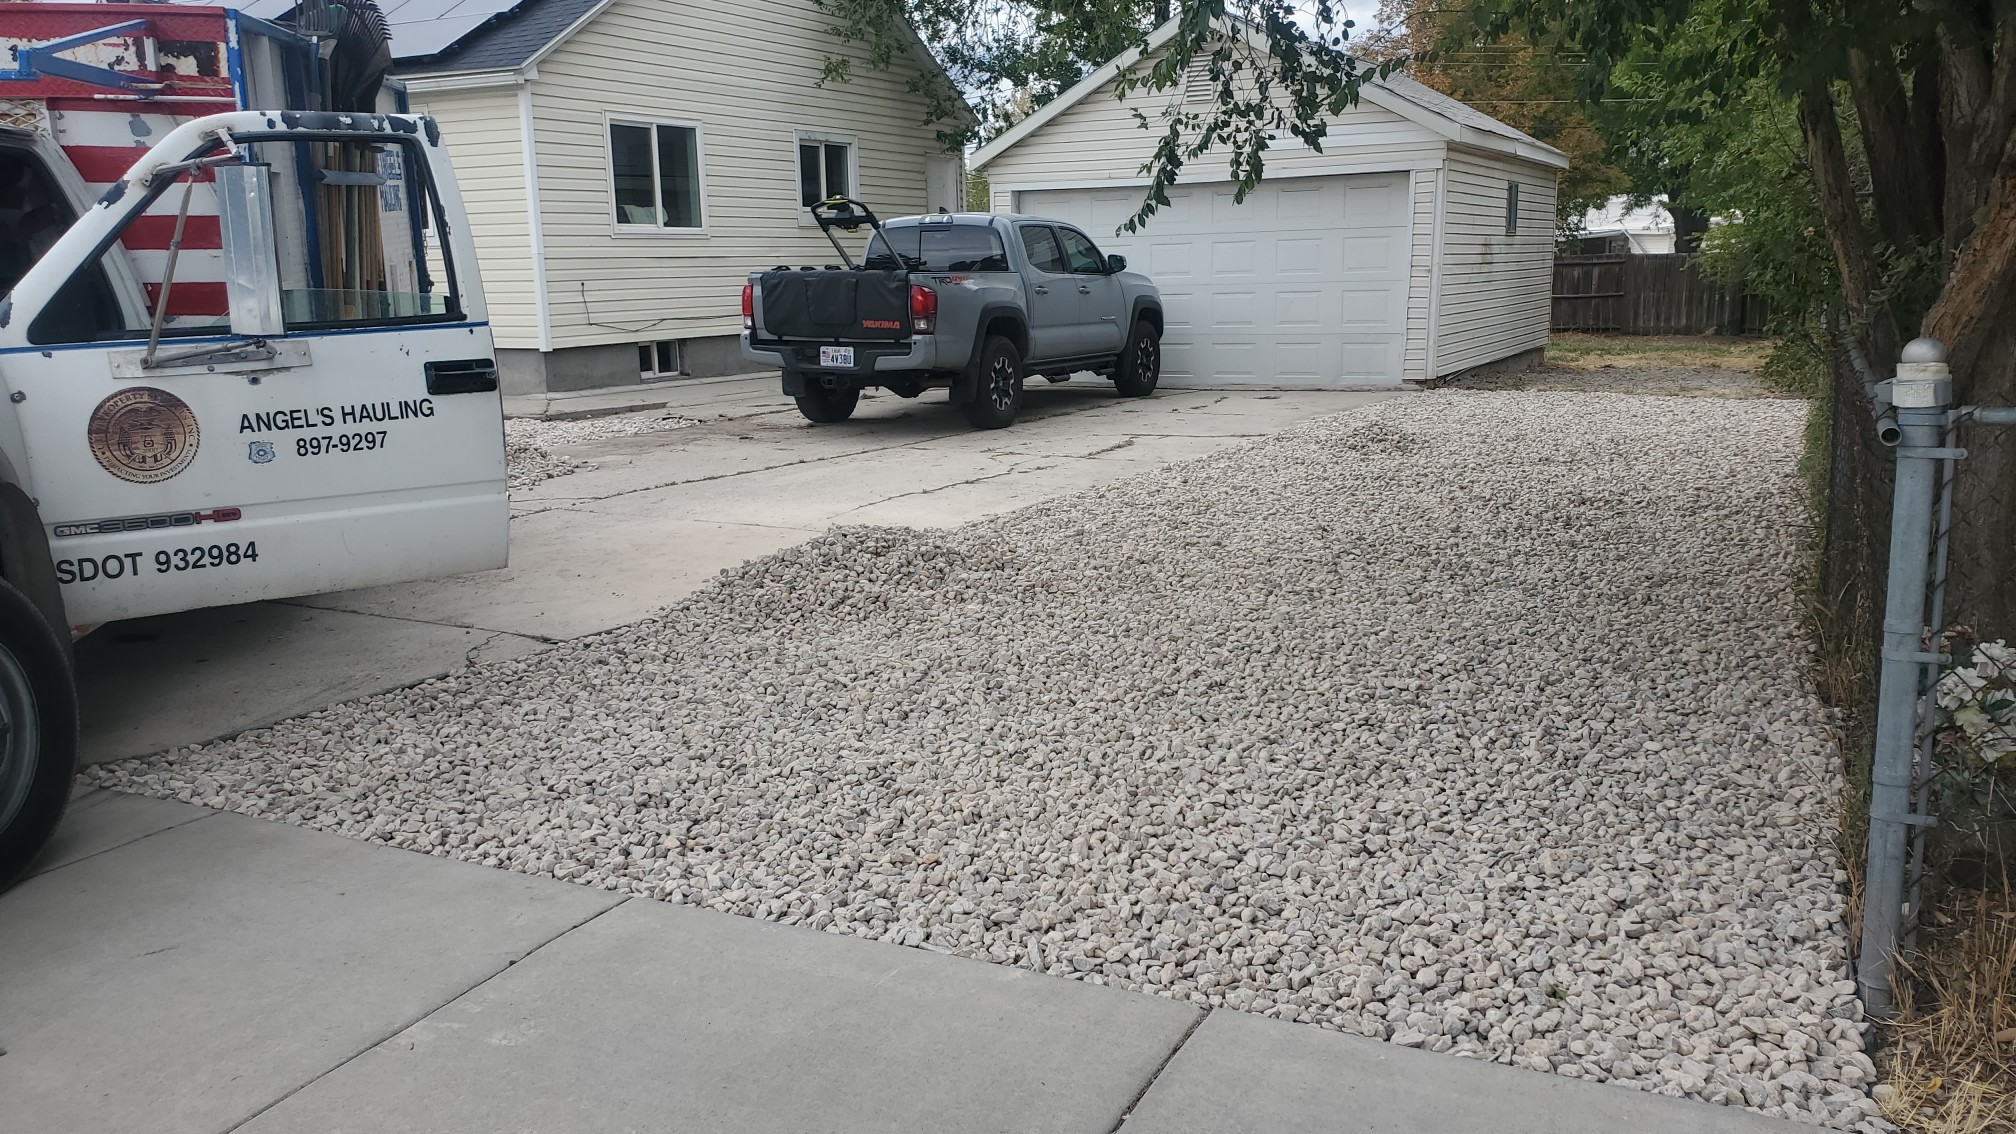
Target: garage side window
825 168
1511 208
1045 255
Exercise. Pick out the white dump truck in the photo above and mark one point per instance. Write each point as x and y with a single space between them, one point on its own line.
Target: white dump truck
243 348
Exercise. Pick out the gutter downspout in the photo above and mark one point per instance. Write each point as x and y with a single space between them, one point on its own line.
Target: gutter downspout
1437 232
533 220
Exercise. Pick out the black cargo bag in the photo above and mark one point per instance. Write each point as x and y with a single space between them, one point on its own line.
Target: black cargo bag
852 304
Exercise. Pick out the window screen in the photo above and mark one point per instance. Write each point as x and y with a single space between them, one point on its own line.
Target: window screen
1044 253
1511 208
945 248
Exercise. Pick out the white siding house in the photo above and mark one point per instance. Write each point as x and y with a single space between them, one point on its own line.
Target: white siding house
1418 244
626 163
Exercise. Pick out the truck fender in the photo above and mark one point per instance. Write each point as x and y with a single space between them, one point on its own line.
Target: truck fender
24 556
966 386
1147 306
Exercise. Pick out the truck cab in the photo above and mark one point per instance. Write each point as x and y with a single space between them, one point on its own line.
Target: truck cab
245 358
969 302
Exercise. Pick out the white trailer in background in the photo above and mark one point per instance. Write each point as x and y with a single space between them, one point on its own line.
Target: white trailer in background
244 352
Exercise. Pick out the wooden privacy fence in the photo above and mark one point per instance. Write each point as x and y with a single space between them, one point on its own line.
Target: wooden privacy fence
1665 294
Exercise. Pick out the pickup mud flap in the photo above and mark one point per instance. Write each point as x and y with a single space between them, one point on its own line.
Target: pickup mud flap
966 386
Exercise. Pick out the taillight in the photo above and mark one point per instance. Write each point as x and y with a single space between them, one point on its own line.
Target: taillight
748 306
923 309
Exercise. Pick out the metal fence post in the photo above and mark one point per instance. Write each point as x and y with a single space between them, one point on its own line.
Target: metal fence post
1921 393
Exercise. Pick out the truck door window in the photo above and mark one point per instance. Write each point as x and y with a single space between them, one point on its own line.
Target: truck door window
1044 253
1080 254
354 226
33 214
358 236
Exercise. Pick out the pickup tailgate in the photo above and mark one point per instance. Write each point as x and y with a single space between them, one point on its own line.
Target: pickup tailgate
844 304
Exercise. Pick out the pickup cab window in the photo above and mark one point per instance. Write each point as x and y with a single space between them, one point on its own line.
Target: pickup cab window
941 248
1045 255
354 228
1079 253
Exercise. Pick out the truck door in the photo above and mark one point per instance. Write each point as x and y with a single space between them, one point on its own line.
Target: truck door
230 392
1053 295
1099 298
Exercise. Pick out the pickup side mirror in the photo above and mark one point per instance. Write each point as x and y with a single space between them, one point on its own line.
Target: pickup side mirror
251 253
1116 263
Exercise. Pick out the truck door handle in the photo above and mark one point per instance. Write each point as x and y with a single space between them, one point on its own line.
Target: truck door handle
1083 290
1041 290
461 376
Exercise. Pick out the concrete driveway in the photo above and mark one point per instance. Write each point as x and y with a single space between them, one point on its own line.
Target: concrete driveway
660 515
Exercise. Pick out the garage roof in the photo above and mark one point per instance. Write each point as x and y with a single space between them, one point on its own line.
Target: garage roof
1412 100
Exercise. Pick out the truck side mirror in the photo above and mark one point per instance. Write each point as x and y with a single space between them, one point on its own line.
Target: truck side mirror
251 253
1116 263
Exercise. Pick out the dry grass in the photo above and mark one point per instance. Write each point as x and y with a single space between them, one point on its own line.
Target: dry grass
1594 352
1950 1063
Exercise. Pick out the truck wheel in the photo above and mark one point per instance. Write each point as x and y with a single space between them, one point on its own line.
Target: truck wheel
1141 367
828 406
999 396
38 731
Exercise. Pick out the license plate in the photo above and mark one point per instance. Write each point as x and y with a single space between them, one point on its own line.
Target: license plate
836 356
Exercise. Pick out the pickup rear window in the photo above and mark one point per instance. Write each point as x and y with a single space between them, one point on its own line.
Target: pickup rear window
946 248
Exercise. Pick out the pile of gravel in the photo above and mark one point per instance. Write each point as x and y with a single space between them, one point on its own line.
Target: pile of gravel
1468 721
529 441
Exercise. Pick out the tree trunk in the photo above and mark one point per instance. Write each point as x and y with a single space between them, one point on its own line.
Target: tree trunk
1900 171
1688 225
1976 298
1841 211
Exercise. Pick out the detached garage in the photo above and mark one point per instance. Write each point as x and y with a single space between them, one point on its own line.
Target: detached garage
1418 244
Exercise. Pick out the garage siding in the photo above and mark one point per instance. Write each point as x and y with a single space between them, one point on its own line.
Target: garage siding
1420 279
1099 141
1496 289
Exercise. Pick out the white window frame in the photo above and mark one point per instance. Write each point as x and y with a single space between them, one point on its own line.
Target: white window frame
616 225
678 360
824 137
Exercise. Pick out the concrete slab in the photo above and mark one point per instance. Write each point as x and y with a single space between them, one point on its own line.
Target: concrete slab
184 982
151 684
97 821
658 1017
575 572
1246 1074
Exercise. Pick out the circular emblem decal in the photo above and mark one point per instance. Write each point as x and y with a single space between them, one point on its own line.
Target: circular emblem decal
144 435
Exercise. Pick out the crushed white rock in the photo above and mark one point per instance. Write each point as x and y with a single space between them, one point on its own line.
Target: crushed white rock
1469 721
529 442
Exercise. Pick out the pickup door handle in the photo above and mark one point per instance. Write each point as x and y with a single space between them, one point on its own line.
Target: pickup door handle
1039 289
462 376
1083 290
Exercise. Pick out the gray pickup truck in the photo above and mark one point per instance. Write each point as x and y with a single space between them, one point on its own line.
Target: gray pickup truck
969 302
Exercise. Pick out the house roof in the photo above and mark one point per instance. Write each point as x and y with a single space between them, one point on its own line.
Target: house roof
1399 94
508 39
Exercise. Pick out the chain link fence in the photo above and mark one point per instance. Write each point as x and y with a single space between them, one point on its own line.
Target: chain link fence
1914 603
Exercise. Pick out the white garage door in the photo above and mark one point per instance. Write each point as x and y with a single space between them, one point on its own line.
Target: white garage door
1302 284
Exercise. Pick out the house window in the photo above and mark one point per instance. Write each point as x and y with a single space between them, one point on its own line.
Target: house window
659 359
825 168
1511 208
655 172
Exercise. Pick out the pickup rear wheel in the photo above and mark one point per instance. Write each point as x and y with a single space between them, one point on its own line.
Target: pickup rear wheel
38 731
999 397
1141 366
828 406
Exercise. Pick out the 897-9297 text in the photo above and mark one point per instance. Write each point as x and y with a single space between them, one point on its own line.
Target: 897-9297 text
339 443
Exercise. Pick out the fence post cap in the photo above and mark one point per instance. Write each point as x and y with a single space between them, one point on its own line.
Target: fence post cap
1923 350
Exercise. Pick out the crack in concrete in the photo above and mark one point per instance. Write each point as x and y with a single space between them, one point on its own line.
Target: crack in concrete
1012 470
